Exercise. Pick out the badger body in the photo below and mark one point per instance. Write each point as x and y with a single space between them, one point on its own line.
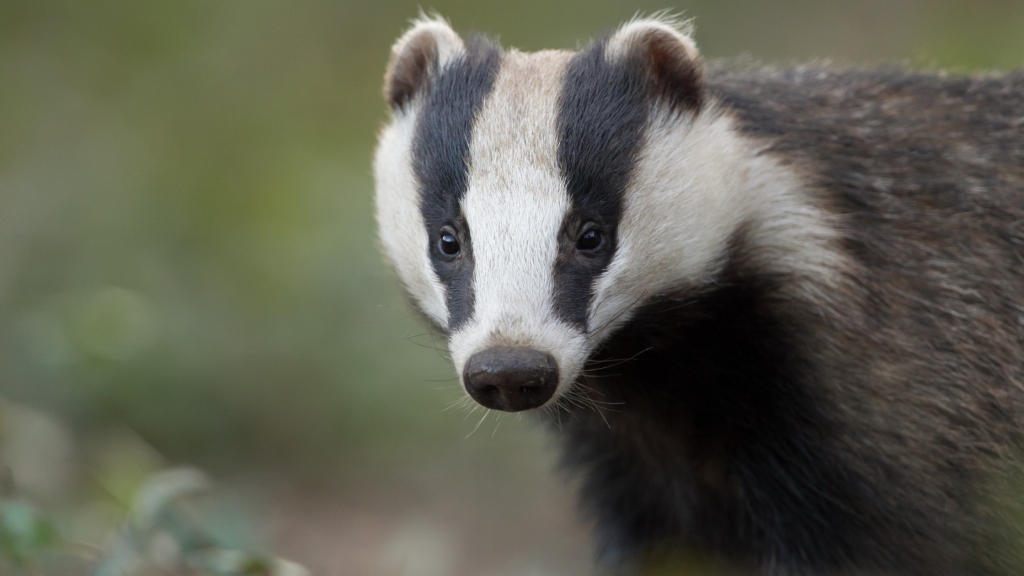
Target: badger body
776 316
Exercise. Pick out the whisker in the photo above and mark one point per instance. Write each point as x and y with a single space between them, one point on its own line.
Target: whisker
560 405
621 312
604 361
633 357
585 401
421 345
601 414
593 400
552 410
477 427
684 304
433 345
447 351
570 398
596 408
602 402
422 334
458 403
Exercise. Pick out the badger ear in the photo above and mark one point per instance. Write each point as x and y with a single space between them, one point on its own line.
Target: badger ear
666 55
418 56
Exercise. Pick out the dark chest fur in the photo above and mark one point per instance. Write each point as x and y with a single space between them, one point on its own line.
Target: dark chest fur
710 437
749 425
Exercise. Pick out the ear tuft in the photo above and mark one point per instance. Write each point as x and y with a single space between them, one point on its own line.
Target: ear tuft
668 57
416 57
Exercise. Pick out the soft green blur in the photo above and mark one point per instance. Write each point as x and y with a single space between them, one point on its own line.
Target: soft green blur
187 248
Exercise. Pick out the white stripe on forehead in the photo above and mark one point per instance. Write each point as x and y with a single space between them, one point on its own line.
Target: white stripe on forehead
516 200
514 206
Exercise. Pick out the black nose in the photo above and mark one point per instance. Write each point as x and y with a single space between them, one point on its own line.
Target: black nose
511 379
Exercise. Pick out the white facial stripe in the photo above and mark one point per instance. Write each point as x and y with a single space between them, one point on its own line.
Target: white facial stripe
514 206
400 223
677 215
694 186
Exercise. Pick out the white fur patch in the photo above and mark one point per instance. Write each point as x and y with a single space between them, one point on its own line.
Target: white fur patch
514 205
402 232
695 184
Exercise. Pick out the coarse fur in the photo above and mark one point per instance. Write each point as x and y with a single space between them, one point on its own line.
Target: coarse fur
800 347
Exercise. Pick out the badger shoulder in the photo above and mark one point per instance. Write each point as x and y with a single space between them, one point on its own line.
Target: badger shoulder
921 175
922 178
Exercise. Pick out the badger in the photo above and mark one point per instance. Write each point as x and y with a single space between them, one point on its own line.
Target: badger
777 313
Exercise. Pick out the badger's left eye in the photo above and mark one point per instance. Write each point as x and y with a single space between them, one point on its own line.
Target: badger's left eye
590 240
448 244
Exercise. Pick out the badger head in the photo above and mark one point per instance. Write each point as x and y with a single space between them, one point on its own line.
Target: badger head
530 202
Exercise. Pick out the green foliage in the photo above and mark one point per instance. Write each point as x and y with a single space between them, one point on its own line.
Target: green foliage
24 535
158 530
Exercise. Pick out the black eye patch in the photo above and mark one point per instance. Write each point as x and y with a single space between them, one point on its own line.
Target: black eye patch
441 164
602 113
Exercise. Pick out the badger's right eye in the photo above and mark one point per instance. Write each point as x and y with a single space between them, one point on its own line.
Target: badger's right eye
448 244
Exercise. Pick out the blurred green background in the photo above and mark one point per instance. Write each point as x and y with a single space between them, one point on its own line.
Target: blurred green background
189 271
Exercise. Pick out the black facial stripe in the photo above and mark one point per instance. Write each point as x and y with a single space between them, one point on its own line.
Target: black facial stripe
602 114
441 163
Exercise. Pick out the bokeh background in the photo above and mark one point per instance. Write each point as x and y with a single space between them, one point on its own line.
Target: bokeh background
189 272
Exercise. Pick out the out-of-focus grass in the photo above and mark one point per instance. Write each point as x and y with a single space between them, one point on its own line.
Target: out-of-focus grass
186 238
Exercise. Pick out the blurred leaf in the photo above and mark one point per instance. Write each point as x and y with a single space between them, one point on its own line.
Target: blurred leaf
122 464
23 533
161 532
238 563
113 323
122 558
162 490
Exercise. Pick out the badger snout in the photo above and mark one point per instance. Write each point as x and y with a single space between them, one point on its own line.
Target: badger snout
511 379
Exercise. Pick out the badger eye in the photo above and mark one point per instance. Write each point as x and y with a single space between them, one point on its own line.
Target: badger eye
448 244
589 241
